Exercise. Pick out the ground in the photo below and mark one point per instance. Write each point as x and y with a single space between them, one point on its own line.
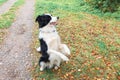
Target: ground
94 43
15 52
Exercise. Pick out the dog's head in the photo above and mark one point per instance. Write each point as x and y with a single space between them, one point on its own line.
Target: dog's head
46 19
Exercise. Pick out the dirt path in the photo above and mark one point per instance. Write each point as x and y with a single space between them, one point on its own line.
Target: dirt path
6 6
15 52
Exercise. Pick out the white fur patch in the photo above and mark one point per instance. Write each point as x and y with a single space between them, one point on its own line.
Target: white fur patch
54 19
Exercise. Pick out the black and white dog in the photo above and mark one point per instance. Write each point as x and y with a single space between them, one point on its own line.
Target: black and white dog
53 51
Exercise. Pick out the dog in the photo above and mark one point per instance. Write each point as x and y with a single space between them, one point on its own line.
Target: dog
51 48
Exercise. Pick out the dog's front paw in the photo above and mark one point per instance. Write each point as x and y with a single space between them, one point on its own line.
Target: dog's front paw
38 49
64 49
67 52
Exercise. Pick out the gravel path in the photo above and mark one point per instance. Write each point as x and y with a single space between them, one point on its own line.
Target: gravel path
15 52
6 6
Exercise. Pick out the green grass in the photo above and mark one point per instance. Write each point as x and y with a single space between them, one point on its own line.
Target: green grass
2 1
54 6
7 18
93 41
75 6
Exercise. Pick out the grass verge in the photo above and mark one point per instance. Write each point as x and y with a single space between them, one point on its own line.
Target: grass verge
2 1
93 41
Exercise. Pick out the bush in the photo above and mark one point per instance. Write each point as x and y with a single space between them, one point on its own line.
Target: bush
105 5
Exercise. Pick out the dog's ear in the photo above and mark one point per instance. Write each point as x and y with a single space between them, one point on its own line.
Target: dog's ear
38 18
43 20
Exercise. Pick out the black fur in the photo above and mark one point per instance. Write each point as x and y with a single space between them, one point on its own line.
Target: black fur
43 20
44 48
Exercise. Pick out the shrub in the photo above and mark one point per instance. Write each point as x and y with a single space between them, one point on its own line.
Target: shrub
105 5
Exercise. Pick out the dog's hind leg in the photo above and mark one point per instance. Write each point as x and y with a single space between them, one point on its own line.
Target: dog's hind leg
64 49
57 65
51 64
42 66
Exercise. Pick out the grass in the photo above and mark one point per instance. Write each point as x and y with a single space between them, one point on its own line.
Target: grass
2 1
75 6
7 18
93 41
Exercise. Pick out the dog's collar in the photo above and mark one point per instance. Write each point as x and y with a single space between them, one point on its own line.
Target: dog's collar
42 31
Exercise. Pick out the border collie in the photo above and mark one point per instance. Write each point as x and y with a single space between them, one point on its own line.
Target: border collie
51 48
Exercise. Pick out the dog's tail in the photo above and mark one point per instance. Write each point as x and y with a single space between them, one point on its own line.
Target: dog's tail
65 58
